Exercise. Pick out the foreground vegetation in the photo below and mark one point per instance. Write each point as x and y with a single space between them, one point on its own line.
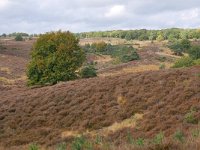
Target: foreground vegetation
158 142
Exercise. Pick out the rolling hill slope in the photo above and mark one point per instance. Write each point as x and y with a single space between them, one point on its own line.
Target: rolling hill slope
49 115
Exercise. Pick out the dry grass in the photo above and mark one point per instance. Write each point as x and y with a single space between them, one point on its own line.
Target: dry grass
134 69
12 81
5 69
127 123
6 81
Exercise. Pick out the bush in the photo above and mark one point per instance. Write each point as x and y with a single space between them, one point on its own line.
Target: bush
88 72
189 117
99 47
158 139
130 138
177 48
186 44
130 57
19 38
197 62
140 142
81 143
179 136
33 147
162 66
180 46
195 133
120 52
194 52
61 146
56 56
124 53
162 58
184 62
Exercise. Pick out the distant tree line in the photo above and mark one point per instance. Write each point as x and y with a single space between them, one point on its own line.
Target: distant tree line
143 34
14 34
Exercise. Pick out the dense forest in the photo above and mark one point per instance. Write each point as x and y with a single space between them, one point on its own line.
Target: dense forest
143 34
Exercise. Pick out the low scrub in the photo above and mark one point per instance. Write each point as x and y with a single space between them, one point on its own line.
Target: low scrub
88 72
194 52
190 117
61 146
180 46
33 147
186 62
120 52
19 37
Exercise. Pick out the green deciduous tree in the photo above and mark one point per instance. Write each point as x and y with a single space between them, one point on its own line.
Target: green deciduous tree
56 56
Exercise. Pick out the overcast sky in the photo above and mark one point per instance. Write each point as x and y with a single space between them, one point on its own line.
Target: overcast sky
38 16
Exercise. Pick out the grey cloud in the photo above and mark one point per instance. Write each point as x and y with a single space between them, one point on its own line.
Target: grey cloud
88 15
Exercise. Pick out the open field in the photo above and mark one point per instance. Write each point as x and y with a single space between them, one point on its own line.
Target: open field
135 97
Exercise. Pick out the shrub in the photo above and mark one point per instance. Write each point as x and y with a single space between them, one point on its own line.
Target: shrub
183 62
186 44
162 58
140 142
194 52
33 147
19 37
180 46
98 140
88 72
195 133
81 143
160 38
197 62
179 136
158 139
130 138
3 35
124 53
177 48
162 66
99 47
61 146
189 117
56 56
130 57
